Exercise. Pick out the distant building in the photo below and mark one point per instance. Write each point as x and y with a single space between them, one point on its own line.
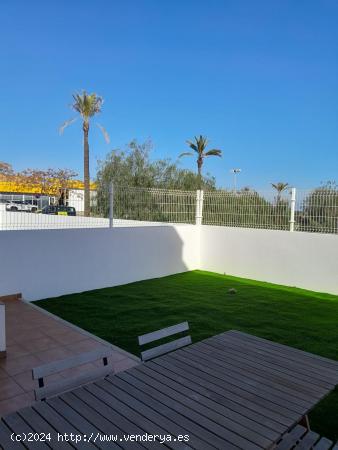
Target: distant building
14 190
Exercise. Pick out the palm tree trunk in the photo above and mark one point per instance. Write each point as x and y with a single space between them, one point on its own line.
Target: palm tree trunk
199 170
86 177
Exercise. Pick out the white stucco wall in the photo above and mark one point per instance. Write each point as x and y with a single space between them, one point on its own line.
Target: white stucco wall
305 260
48 263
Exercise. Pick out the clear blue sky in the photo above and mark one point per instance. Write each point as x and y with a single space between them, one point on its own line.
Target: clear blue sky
259 78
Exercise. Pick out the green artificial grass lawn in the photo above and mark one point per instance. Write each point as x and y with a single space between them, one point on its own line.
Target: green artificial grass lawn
299 318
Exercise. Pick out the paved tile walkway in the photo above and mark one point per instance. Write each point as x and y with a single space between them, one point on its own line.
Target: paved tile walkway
35 338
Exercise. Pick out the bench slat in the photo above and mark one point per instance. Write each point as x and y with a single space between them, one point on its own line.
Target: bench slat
291 439
69 363
308 441
70 383
165 348
323 444
165 332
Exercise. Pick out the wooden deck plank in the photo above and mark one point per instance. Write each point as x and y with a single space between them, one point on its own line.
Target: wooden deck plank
273 360
234 384
252 430
297 365
269 391
218 402
129 412
205 416
110 416
6 443
229 387
272 377
103 425
41 426
155 409
222 396
78 421
273 383
186 417
310 358
20 427
277 383
60 424
273 372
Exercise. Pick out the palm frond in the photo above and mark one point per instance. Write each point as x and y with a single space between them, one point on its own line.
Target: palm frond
87 105
192 145
186 154
104 132
203 140
66 124
213 152
201 143
280 187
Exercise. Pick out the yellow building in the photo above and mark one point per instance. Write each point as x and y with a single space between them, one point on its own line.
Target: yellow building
19 189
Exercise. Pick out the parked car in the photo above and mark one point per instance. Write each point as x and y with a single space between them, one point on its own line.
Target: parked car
23 206
59 210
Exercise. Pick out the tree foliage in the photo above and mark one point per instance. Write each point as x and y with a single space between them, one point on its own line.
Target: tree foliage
49 182
134 168
245 208
6 169
319 210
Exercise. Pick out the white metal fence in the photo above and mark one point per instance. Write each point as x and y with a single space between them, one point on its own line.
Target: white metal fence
154 205
250 209
292 210
317 210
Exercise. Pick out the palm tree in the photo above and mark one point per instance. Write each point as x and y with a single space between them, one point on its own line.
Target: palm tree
280 187
87 105
199 146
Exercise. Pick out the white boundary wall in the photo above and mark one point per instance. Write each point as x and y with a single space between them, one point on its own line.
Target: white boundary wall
305 260
49 263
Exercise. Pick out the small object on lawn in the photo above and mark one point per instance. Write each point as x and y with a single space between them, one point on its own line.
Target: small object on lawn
232 291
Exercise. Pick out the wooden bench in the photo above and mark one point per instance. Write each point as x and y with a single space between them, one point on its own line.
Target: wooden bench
161 334
56 387
299 438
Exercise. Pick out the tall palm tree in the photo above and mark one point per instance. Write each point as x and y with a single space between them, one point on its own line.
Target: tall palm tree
87 105
199 146
280 188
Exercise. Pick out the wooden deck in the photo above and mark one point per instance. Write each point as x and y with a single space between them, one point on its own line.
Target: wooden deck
232 391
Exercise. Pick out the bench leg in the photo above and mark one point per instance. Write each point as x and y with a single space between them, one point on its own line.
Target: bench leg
305 422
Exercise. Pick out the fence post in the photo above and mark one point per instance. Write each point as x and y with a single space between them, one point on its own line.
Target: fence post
2 331
293 207
199 207
111 205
